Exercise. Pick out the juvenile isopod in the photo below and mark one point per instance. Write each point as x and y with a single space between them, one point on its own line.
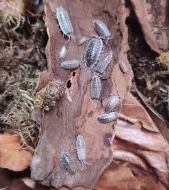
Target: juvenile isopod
102 30
82 40
93 51
113 104
107 117
68 163
96 87
64 22
81 149
123 67
72 64
62 52
103 62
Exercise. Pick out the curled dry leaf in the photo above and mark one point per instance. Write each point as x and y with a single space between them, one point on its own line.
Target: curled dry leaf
12 156
141 144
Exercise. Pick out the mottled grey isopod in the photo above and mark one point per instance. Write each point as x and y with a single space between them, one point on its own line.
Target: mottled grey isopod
92 52
64 22
81 149
102 30
123 67
96 87
107 117
113 104
72 64
103 62
68 163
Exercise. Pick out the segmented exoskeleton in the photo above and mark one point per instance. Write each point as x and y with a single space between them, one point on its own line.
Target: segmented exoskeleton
81 150
103 62
96 87
64 22
113 104
65 26
102 30
68 163
107 117
92 52
72 64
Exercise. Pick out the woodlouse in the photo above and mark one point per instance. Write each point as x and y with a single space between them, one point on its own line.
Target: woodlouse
81 149
72 64
107 117
82 40
68 163
62 52
93 51
96 87
113 104
102 30
64 22
103 62
123 67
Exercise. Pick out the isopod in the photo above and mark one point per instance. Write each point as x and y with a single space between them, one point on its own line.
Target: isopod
81 149
102 29
113 104
123 67
82 40
64 22
107 117
93 51
96 87
68 163
62 52
72 64
103 62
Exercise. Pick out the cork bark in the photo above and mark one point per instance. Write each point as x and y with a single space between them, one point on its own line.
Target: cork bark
65 120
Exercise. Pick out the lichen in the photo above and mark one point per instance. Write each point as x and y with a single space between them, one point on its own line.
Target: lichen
47 96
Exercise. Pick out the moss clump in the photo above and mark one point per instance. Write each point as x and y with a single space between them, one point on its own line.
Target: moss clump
47 96
164 59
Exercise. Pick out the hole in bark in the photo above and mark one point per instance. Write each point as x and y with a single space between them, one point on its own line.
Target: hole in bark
73 74
69 83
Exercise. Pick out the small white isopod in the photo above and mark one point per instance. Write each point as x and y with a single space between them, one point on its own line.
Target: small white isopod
82 40
96 87
64 22
81 150
62 52
123 67
72 64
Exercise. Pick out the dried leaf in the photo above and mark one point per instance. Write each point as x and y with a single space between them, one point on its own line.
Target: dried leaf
117 177
141 146
12 156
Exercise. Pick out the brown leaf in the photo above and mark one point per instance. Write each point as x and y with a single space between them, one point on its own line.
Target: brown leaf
12 156
117 177
141 146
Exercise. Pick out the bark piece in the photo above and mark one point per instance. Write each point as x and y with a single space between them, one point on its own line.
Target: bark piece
62 123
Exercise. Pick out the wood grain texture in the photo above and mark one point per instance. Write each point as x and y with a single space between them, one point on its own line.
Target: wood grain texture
63 122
